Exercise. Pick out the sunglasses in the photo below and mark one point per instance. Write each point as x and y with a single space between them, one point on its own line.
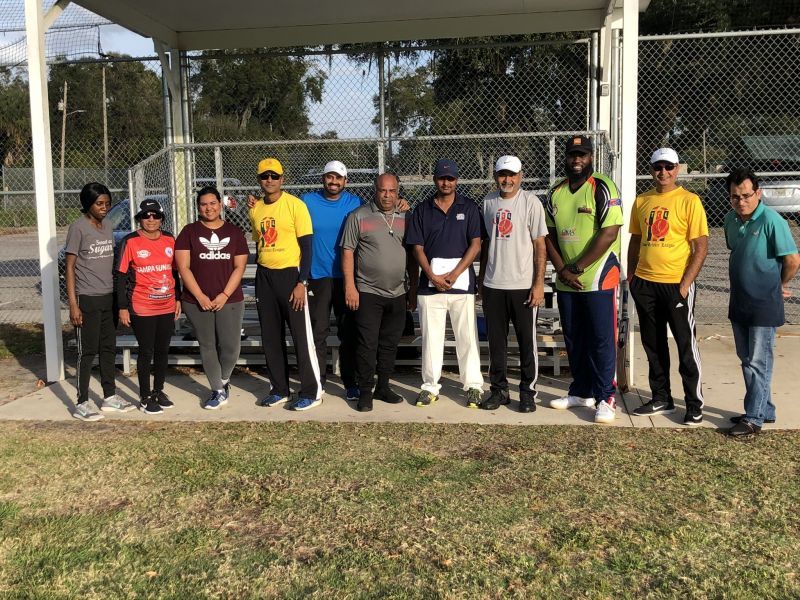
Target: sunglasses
658 168
273 176
152 215
447 178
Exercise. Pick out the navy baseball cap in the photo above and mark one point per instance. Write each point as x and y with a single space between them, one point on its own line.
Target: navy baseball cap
579 143
445 167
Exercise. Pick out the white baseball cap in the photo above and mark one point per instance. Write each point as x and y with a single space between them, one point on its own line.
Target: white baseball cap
665 155
508 163
337 167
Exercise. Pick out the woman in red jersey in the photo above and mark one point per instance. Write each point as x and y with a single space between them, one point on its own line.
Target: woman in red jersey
146 284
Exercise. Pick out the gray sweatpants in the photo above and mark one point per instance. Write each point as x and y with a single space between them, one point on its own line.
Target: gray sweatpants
219 335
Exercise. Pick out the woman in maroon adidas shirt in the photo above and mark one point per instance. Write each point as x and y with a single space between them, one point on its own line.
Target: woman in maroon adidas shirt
146 284
211 256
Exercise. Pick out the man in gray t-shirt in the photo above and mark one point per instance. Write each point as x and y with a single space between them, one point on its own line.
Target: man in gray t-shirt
513 259
89 262
374 264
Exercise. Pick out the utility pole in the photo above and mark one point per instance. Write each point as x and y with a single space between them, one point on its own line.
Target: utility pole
105 128
63 107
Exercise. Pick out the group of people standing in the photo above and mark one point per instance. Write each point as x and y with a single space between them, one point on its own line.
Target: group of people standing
372 262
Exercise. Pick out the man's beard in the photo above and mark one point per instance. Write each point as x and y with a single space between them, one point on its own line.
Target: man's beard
583 174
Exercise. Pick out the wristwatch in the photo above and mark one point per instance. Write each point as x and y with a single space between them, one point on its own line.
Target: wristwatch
574 269
304 282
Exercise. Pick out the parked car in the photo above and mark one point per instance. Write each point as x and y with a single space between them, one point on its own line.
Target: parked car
120 218
769 156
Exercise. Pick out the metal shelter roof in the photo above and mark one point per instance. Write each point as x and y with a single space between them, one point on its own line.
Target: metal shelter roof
211 24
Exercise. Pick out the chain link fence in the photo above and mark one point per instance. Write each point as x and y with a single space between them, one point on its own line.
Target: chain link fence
173 175
724 101
720 100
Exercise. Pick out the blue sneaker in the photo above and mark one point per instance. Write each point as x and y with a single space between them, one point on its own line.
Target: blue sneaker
306 403
353 393
273 400
216 400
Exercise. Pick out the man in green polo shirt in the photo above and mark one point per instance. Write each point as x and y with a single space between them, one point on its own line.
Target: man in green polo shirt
762 263
584 216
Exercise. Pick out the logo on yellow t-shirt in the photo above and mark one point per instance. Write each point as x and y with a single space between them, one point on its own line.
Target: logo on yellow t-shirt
269 233
658 224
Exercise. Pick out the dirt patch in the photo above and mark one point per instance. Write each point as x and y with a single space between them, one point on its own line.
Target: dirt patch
21 376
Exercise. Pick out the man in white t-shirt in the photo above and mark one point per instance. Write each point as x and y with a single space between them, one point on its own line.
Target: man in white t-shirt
513 258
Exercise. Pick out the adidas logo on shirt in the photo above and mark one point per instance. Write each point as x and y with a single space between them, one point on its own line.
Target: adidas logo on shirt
215 246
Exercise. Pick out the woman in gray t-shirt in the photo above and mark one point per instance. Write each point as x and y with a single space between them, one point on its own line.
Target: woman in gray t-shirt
89 260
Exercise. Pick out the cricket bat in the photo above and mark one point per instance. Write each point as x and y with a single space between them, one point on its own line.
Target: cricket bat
622 340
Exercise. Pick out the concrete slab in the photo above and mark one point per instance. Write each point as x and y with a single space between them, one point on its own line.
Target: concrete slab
722 379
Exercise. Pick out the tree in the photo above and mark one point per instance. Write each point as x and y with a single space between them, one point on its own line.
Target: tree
15 122
254 96
135 109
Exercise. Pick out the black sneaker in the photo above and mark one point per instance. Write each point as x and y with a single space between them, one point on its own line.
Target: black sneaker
739 418
692 419
163 400
388 395
526 404
495 400
655 407
426 398
150 406
364 402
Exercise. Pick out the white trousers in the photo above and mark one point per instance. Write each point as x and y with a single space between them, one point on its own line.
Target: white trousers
433 311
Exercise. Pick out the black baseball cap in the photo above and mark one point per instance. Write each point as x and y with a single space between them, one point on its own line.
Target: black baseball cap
579 143
149 206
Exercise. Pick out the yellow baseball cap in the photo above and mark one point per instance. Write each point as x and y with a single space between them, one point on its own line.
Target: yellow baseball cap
270 164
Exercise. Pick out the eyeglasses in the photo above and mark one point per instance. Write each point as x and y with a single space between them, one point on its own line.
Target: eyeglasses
658 168
446 178
273 176
742 198
152 215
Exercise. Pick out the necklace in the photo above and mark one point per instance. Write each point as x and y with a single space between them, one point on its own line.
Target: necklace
389 226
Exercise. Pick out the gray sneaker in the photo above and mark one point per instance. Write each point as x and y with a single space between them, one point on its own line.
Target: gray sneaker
116 404
86 411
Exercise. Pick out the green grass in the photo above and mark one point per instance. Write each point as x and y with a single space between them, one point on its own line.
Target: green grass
21 339
403 511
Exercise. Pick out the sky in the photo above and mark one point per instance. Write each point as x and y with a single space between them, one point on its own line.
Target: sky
347 101
346 106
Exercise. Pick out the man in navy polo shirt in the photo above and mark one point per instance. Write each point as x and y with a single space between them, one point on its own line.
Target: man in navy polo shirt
444 235
762 263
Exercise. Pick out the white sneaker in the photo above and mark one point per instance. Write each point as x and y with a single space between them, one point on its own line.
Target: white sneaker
116 404
606 412
571 402
86 411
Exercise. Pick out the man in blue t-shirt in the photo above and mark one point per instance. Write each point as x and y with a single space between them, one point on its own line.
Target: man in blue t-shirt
329 208
444 235
762 263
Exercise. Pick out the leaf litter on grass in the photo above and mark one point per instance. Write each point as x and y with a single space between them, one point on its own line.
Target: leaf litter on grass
397 510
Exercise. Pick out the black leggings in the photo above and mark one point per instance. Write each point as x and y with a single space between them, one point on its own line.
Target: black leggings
153 335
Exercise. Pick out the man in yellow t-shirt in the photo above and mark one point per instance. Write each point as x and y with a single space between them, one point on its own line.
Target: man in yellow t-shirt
669 243
282 233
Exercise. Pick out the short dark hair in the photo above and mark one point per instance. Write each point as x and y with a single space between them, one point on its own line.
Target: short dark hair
90 193
208 189
738 176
